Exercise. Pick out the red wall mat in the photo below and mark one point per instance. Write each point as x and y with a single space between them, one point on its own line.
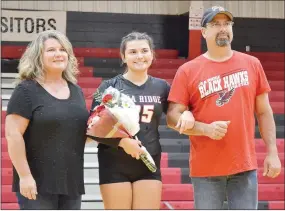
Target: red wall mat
194 44
276 96
277 107
6 176
7 194
17 51
171 175
260 146
115 53
84 85
88 103
80 61
177 192
168 63
270 192
166 54
88 92
164 160
3 117
276 85
2 130
12 52
10 206
89 82
5 160
86 72
177 205
97 52
275 75
90 79
273 66
162 73
268 56
276 205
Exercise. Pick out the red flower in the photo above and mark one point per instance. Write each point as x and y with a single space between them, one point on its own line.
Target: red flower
96 111
100 108
107 98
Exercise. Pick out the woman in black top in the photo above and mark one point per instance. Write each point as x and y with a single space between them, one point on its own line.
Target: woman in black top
125 182
46 125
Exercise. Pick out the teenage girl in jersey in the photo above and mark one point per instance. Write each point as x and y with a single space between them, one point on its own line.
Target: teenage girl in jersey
125 181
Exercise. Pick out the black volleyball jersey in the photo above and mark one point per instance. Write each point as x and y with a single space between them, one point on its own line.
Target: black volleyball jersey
152 99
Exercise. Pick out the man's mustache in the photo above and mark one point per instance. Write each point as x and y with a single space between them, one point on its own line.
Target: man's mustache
219 34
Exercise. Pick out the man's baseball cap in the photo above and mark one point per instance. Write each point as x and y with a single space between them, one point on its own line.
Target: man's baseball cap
210 13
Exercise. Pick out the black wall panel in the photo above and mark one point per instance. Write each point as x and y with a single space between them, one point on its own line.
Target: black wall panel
87 29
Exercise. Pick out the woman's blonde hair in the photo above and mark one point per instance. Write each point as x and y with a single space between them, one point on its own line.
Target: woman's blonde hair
31 63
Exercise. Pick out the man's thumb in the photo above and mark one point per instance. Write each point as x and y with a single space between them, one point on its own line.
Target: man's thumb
178 123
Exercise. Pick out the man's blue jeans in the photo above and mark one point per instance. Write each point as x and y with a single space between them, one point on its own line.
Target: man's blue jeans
240 191
49 202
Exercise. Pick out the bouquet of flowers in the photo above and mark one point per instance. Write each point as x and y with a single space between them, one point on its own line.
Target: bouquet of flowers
116 116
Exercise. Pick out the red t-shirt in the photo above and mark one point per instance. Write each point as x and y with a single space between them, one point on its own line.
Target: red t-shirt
221 91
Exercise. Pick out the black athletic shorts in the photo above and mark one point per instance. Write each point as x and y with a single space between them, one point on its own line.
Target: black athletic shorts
115 165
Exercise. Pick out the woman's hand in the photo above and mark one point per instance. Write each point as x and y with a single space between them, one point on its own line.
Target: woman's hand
28 187
131 147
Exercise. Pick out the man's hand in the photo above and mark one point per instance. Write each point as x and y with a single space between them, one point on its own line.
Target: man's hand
185 122
272 166
217 130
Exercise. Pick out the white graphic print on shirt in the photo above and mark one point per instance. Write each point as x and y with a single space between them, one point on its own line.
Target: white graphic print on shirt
223 85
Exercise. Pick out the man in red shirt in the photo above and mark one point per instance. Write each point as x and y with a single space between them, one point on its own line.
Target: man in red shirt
223 89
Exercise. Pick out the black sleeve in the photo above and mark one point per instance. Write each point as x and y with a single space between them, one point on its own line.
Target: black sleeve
167 90
82 95
112 142
20 102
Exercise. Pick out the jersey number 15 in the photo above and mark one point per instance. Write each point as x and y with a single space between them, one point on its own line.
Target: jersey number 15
147 112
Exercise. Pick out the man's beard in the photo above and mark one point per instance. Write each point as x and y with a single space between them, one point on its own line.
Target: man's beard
223 42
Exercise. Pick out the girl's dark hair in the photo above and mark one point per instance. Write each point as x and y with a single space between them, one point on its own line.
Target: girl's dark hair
135 36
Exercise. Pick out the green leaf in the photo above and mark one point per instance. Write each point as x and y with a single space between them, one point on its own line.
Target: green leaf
97 96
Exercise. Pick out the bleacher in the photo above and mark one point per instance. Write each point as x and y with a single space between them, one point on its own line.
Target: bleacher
98 64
